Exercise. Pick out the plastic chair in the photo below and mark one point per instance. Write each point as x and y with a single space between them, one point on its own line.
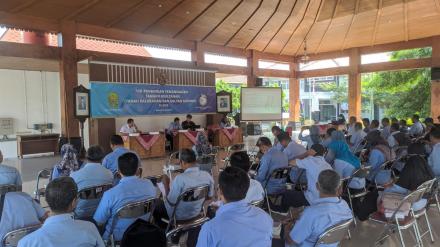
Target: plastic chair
428 186
43 174
132 210
11 238
279 173
393 223
335 234
180 231
199 193
93 193
361 173
5 188
155 179
258 203
172 165
386 166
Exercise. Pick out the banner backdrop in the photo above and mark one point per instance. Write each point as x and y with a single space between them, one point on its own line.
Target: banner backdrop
122 99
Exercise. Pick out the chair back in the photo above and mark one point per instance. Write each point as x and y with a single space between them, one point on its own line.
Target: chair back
11 238
257 203
43 174
410 199
136 209
5 188
362 172
180 230
334 234
155 179
279 173
174 156
94 192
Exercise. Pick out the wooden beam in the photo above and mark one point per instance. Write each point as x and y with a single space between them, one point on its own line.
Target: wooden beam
396 65
273 73
10 49
121 35
226 69
326 55
274 57
68 80
376 23
335 11
28 22
81 10
354 84
402 45
405 21
22 6
323 72
126 13
435 84
34 64
198 56
294 94
356 11
228 51
252 66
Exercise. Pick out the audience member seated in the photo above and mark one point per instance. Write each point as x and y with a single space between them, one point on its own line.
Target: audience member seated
313 166
328 211
366 123
60 229
417 129
130 189
395 130
415 172
275 132
224 122
357 137
293 151
172 128
202 149
191 177
385 133
394 120
313 137
69 162
272 159
236 222
129 128
188 123
255 191
351 127
380 153
328 137
374 126
111 160
434 157
9 175
92 174
403 126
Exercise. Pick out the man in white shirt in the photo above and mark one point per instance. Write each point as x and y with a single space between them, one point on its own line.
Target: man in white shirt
255 191
416 129
357 137
394 131
129 128
385 133
351 125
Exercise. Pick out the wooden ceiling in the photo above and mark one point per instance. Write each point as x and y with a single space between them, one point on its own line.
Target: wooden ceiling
272 26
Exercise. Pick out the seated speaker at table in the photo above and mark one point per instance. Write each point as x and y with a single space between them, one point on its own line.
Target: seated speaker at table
129 128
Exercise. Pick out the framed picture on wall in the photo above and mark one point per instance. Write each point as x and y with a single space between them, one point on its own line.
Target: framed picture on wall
81 102
224 102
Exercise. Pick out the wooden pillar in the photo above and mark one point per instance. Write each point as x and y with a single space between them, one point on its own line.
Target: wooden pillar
68 79
354 84
252 66
294 100
198 55
435 84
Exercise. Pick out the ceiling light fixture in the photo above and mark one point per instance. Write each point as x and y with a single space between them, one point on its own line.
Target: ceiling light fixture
305 58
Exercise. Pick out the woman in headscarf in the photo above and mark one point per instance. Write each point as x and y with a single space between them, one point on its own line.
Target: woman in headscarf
69 162
380 152
343 160
313 137
202 148
415 172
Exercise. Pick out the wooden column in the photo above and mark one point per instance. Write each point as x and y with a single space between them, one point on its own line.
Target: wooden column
294 100
354 84
435 84
198 55
252 67
68 79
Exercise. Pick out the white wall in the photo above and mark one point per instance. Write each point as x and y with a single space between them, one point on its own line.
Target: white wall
157 123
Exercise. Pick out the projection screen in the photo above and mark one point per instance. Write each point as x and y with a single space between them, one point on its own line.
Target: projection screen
261 104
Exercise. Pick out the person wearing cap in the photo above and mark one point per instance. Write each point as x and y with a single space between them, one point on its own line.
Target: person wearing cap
90 175
313 165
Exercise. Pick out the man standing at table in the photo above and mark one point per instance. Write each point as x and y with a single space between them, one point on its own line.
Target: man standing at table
188 123
173 127
129 128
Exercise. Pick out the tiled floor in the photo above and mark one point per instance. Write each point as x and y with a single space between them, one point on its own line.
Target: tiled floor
363 235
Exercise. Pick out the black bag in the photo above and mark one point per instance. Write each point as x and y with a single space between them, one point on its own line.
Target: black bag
143 233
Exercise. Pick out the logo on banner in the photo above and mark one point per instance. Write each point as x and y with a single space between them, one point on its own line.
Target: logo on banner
113 100
203 100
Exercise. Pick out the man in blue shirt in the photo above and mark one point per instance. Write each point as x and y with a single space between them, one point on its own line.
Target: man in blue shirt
111 160
60 229
191 177
90 175
172 128
9 175
328 211
255 191
434 157
272 159
130 189
236 222
293 151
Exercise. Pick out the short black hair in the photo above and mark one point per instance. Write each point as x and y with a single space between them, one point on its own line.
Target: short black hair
241 160
415 116
189 116
116 140
435 132
176 119
429 120
366 120
394 120
375 123
128 164
329 131
264 141
234 183
319 149
187 155
95 153
130 120
395 126
60 194
275 128
358 125
385 120
329 182
416 148
284 137
402 122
